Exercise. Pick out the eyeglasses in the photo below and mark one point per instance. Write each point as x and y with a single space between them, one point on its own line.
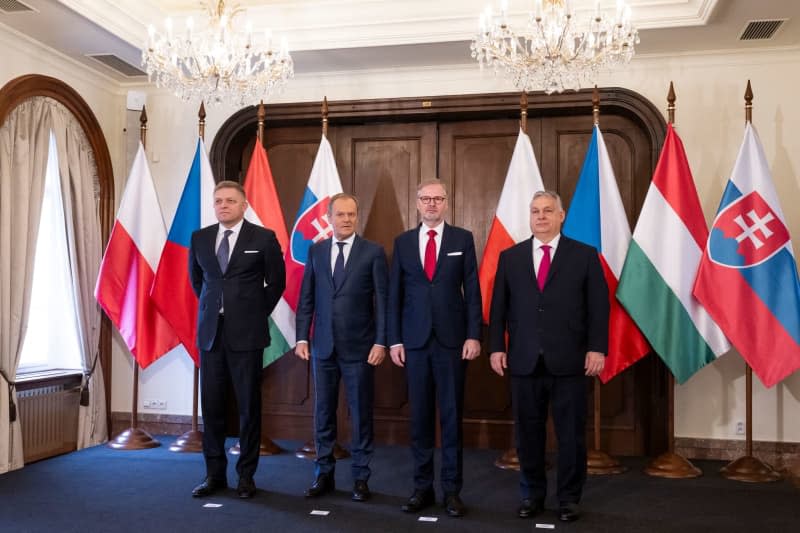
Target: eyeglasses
436 200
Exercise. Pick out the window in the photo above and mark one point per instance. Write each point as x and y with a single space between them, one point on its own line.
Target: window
52 339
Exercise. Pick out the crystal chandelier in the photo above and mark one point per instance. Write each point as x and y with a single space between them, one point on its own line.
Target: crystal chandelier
216 64
554 52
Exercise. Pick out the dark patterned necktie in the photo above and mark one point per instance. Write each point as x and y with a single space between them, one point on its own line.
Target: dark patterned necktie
224 251
338 267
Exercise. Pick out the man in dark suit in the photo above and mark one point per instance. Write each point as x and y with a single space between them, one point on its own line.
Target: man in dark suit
238 274
344 295
434 329
551 297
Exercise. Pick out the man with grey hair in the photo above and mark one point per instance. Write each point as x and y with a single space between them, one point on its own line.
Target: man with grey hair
434 329
344 296
551 298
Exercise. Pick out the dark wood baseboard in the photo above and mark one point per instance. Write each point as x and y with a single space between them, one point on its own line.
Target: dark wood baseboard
783 456
155 424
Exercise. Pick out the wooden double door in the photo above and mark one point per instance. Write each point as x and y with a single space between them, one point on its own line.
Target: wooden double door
382 163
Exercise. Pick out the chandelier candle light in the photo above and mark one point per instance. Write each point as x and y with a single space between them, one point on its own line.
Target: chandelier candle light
554 52
216 64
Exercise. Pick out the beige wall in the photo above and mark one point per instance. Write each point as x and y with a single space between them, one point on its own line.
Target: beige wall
710 114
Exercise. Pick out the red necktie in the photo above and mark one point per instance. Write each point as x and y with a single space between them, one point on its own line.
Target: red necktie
544 266
430 255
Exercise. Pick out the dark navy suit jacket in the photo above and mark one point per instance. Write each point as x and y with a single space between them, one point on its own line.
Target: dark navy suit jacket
449 306
351 318
249 289
562 322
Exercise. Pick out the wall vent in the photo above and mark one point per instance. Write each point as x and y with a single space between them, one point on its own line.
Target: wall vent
761 29
14 6
118 64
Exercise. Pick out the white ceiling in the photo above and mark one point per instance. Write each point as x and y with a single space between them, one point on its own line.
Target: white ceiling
345 35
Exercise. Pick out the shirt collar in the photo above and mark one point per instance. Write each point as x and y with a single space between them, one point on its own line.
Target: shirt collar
553 243
236 229
423 229
350 240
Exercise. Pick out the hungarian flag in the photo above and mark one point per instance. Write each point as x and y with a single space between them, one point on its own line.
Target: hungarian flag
661 265
311 224
129 265
597 217
511 223
748 274
264 209
172 289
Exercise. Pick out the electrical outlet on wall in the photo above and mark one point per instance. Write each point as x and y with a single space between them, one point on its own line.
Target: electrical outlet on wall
740 428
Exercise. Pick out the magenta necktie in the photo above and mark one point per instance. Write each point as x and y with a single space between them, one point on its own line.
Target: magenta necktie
544 267
430 255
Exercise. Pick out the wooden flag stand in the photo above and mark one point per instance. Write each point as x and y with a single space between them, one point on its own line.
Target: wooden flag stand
670 464
749 468
599 462
267 446
135 438
192 440
309 450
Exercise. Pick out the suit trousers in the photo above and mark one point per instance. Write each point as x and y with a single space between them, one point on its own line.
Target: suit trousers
359 383
436 372
219 367
566 395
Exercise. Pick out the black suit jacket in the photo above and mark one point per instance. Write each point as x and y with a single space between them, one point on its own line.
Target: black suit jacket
562 322
351 318
249 289
448 306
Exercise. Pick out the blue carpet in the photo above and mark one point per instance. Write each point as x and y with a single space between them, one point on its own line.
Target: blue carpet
105 490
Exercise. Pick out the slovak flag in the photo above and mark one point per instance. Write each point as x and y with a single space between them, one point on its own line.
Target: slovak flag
129 265
748 274
511 223
596 217
172 288
311 224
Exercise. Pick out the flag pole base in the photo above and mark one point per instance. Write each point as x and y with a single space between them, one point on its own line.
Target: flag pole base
599 463
508 461
133 439
267 447
673 466
189 442
309 451
751 470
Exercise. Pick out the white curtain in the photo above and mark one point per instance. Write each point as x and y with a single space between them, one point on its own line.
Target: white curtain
24 139
80 190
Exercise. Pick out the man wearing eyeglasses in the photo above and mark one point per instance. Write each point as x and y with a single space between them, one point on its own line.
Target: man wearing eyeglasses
434 328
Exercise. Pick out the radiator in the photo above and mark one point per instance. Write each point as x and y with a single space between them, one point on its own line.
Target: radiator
49 420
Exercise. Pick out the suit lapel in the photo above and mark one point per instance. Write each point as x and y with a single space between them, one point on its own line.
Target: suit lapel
564 246
241 242
444 248
210 238
325 250
529 271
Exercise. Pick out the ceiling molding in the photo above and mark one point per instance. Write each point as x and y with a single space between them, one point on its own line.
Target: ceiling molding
333 24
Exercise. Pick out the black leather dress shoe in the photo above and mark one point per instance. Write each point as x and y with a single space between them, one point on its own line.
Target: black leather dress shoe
361 491
529 508
568 512
246 488
208 487
323 484
419 501
453 505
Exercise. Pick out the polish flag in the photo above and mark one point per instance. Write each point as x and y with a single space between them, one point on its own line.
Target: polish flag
511 223
129 265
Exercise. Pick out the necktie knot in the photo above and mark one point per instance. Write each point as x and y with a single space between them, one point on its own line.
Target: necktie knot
432 233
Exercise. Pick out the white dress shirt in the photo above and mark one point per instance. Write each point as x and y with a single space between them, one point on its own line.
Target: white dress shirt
231 238
538 253
345 250
423 240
